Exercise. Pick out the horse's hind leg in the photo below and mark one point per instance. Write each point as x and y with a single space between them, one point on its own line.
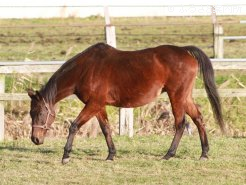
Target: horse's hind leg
193 111
179 115
103 121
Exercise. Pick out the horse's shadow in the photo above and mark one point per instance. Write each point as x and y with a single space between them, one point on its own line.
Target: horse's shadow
96 155
26 149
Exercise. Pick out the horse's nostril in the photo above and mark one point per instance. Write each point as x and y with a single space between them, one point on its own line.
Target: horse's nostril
35 140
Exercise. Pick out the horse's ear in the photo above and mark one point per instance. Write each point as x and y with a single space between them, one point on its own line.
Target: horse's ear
38 95
31 93
34 94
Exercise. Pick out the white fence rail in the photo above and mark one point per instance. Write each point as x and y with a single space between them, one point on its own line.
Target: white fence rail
219 39
127 8
7 67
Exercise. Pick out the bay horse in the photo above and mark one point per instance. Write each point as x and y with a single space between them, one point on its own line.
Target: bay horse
102 75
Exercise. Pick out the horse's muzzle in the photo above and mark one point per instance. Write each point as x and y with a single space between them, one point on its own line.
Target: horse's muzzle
37 141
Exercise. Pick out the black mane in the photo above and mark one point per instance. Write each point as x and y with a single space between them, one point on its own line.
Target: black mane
49 90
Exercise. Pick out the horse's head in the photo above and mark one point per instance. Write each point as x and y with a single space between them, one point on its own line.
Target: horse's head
42 114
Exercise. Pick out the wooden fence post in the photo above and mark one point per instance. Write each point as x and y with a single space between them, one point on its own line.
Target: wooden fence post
218 35
129 121
213 15
218 41
214 22
125 114
2 89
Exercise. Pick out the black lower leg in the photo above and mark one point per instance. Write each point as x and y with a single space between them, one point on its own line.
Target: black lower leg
205 146
103 121
68 147
203 137
178 134
107 133
111 153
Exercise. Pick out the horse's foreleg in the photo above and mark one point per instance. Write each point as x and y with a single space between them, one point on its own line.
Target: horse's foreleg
88 112
103 121
68 147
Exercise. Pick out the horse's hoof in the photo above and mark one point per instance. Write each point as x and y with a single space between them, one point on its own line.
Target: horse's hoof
167 157
203 158
110 158
65 160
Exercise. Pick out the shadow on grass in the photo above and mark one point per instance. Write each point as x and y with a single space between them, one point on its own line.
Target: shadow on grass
120 153
87 152
25 149
20 154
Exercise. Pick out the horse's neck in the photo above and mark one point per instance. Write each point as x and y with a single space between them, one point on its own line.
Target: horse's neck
63 92
64 80
55 90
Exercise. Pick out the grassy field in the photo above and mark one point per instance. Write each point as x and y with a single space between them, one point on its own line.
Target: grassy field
138 161
59 39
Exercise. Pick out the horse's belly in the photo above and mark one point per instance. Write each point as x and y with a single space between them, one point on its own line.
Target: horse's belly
135 98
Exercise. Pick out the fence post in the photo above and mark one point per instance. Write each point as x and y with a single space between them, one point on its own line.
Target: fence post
129 121
125 114
218 35
214 22
213 15
218 41
2 89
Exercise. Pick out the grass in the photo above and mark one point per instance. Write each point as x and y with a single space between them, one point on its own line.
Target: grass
60 39
36 39
138 161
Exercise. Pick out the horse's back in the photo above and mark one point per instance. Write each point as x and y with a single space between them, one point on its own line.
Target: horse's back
151 71
132 78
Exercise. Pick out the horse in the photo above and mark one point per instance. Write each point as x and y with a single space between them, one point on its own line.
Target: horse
102 75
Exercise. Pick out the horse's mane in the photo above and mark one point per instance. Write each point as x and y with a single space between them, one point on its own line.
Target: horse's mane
49 90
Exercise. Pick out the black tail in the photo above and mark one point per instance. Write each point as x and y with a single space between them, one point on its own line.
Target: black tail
207 72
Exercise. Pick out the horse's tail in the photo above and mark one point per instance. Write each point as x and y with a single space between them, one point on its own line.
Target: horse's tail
207 72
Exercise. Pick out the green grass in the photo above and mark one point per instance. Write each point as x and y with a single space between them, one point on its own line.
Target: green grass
35 39
30 39
138 161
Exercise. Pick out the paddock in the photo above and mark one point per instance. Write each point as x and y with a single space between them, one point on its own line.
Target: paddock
32 50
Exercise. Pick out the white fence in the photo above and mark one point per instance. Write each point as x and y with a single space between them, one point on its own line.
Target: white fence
39 9
219 39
